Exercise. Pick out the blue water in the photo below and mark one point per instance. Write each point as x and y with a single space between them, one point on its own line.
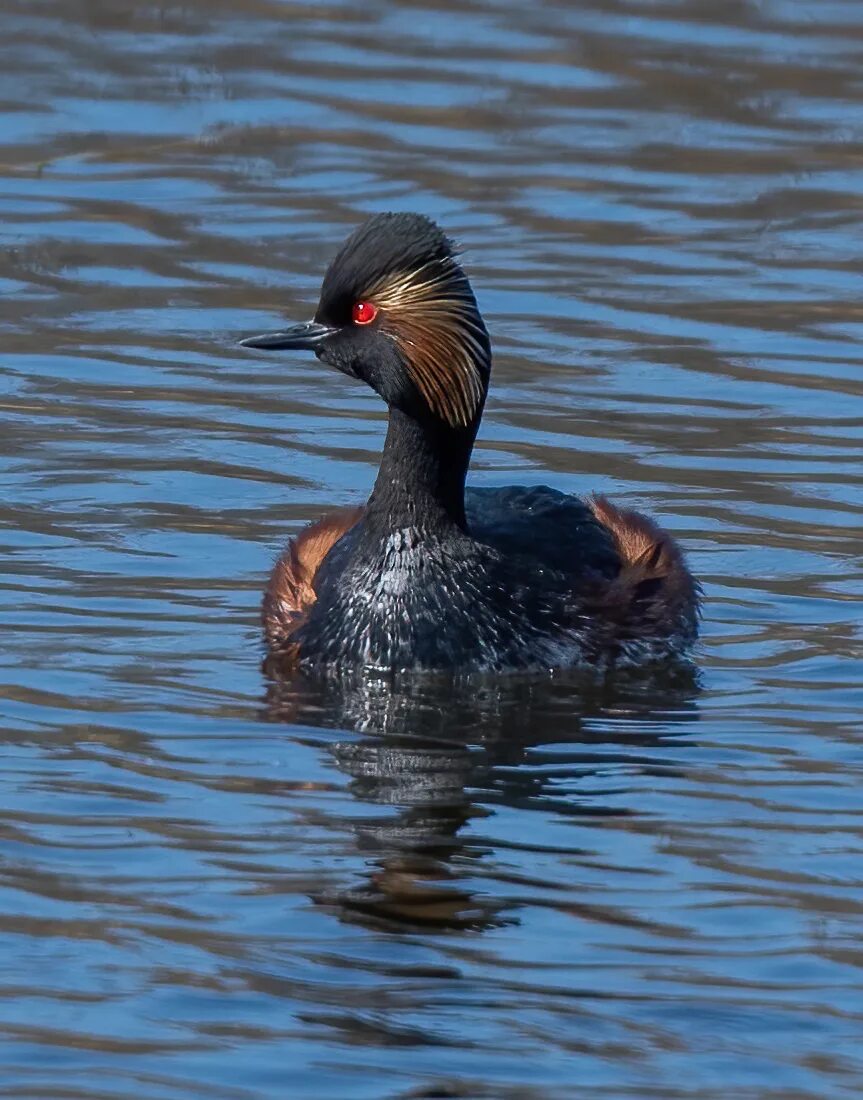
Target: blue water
214 884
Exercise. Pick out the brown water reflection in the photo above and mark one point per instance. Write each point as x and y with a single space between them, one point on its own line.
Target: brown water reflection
211 882
436 756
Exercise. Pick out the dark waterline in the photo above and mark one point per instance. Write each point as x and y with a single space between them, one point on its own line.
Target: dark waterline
215 883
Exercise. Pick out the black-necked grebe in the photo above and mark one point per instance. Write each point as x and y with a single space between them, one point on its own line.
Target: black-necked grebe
427 575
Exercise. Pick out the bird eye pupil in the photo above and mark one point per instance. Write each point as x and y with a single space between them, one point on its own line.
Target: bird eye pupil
364 313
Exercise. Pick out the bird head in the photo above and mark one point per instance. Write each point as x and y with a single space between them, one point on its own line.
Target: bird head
397 311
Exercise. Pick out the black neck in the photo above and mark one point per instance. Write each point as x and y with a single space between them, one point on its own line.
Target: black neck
420 482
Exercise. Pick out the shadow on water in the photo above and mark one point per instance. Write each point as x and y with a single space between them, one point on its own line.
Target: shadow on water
435 753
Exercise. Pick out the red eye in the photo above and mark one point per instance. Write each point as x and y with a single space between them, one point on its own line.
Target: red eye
364 313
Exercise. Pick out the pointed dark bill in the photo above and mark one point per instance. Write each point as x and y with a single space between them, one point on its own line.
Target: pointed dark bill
303 337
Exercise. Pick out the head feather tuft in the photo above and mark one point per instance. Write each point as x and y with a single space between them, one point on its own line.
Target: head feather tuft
431 314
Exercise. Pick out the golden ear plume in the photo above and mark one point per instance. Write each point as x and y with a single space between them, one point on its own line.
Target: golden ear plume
432 315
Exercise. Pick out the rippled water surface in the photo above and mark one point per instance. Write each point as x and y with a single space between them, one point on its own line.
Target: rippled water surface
214 885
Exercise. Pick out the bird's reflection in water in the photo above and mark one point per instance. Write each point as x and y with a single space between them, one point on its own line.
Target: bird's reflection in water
437 752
